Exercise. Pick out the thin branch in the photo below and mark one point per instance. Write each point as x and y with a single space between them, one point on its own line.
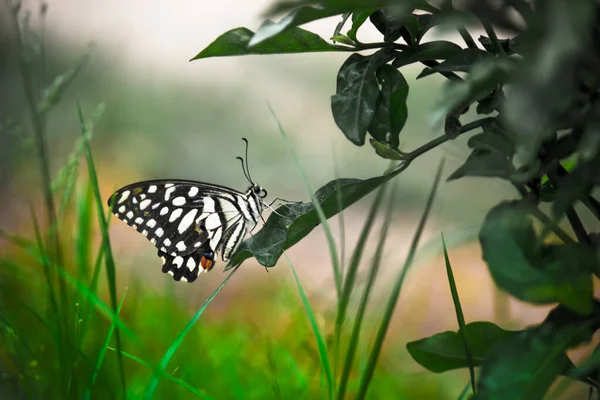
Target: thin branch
444 138
489 29
577 225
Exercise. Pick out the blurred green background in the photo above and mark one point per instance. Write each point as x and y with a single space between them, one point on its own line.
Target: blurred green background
167 117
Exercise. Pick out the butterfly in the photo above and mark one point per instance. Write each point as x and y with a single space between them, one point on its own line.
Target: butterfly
189 222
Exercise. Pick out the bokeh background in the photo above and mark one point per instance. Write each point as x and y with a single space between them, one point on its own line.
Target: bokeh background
167 117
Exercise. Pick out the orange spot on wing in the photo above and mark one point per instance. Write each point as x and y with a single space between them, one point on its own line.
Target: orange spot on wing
206 264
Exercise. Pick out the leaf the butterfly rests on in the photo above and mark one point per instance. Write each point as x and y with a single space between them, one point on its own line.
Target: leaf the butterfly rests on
190 222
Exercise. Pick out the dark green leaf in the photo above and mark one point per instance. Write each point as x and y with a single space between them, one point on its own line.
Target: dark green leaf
492 140
543 275
445 351
236 43
483 78
460 61
490 103
516 45
294 221
391 111
484 164
393 23
358 19
524 365
445 19
353 105
492 156
576 185
384 150
436 50
452 126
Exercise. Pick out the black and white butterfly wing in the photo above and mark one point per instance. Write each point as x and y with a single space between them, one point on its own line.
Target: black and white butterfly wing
185 220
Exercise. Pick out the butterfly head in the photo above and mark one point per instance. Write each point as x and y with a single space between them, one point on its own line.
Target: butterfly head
257 191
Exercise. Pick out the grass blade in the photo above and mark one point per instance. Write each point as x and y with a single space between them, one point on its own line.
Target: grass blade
459 315
325 365
340 214
350 278
109 260
330 239
373 271
463 394
162 364
83 238
59 318
102 353
78 285
166 375
395 293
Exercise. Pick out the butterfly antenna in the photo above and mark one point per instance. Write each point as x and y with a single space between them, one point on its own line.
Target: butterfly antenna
247 166
244 169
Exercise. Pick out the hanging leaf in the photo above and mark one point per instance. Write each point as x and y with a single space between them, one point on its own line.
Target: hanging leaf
391 111
353 105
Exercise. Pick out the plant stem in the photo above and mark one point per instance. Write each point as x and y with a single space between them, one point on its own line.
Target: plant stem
489 29
466 36
450 75
444 138
38 126
577 226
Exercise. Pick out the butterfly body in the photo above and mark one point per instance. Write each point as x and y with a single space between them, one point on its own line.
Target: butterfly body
189 222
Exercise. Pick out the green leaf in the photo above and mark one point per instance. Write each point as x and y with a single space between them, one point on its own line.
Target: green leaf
491 157
353 105
435 50
532 273
484 77
575 186
236 43
524 365
391 111
294 221
460 61
445 351
390 24
384 150
358 19
484 164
